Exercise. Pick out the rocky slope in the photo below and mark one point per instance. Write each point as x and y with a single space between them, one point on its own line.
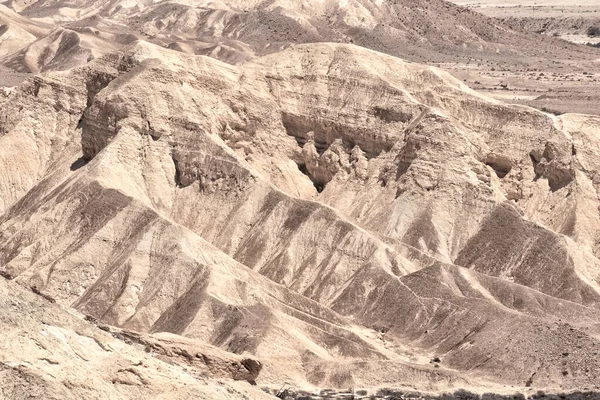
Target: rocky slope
233 31
54 354
343 215
267 25
576 22
576 26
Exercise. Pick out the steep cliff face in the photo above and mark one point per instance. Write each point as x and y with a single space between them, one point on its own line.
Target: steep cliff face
341 214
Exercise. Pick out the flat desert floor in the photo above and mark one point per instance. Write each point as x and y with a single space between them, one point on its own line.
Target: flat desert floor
580 11
554 88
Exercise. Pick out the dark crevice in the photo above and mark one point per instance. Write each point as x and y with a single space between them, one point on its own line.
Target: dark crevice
320 186
300 140
80 162
559 179
406 157
324 132
36 88
535 163
178 182
153 134
96 84
501 165
303 169
6 275
399 191
500 170
321 147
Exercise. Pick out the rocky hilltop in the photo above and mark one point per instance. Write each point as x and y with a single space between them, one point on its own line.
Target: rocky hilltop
486 53
320 215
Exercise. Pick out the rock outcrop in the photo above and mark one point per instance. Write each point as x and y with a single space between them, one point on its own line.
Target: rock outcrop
342 215
50 353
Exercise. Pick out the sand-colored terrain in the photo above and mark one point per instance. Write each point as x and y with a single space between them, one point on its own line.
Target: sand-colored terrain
489 56
552 87
569 20
271 209
229 194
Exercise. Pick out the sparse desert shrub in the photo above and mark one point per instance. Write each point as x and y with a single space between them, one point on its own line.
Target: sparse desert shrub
593 31
392 394
389 393
549 111
492 396
462 394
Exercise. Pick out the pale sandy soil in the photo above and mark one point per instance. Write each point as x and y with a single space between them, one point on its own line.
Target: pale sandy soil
543 10
529 3
10 78
567 89
346 217
563 91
